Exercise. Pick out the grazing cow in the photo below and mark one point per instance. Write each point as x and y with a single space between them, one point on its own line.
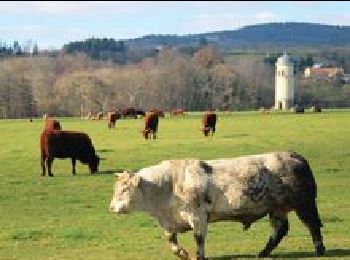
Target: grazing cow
209 122
298 109
158 111
316 109
99 115
188 194
67 144
140 112
227 110
129 112
151 125
111 118
52 124
178 111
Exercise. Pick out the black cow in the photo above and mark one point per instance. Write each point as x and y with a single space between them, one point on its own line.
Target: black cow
67 144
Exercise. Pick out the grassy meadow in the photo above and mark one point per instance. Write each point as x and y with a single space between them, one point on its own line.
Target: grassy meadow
66 217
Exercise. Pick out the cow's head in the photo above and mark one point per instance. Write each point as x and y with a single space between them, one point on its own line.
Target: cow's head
126 193
93 164
145 133
206 131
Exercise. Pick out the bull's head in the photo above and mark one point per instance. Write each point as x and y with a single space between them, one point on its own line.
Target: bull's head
126 193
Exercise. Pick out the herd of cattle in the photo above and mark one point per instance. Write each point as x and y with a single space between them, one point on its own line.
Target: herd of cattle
57 143
188 194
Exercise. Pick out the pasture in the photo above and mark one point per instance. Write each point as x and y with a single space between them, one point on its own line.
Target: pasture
66 217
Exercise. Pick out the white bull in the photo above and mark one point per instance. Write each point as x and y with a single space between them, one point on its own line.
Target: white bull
189 194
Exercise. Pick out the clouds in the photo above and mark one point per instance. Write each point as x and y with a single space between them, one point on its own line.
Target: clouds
56 22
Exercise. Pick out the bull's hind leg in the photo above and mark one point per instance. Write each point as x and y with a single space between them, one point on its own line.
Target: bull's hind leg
279 223
308 214
175 247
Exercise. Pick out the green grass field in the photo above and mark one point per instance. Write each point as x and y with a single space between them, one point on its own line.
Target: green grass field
66 217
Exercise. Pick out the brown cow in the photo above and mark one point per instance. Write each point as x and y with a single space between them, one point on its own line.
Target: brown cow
151 125
140 112
100 115
52 124
111 118
158 111
179 111
209 122
67 144
129 112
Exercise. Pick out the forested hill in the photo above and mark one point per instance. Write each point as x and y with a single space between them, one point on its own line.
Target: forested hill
259 35
270 36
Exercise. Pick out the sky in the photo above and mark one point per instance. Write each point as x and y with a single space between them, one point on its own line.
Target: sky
53 23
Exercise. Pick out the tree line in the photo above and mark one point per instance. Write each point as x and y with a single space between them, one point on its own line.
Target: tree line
75 84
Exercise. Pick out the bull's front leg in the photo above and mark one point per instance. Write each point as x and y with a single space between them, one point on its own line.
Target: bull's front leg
175 247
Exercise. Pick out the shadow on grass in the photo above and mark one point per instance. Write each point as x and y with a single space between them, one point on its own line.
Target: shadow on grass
105 150
235 135
82 174
113 171
336 253
109 171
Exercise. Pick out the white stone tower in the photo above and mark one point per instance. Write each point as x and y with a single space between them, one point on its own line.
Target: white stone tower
284 83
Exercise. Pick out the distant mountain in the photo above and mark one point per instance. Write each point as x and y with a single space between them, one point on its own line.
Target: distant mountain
270 34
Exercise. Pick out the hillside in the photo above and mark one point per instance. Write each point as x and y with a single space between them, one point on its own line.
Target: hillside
260 35
270 36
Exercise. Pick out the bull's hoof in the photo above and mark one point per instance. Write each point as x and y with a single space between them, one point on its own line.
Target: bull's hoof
50 175
320 250
264 253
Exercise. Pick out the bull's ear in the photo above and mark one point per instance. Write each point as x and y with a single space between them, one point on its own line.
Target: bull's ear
120 174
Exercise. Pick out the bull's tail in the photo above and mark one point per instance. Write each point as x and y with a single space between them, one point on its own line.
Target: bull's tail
306 207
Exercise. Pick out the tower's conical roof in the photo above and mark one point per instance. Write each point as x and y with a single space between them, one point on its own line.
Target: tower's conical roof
284 60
